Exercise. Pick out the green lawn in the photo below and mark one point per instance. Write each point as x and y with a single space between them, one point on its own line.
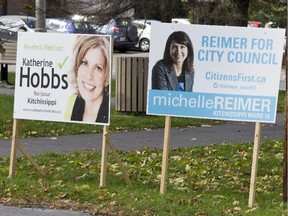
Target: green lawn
208 181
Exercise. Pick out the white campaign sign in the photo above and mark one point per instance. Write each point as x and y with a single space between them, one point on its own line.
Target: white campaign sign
42 86
237 73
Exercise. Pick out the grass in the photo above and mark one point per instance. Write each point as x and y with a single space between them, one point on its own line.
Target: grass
211 180
202 181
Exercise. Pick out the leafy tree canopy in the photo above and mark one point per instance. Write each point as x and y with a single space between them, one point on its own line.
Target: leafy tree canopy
213 12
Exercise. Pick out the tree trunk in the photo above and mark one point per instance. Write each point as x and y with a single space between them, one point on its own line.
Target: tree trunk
243 6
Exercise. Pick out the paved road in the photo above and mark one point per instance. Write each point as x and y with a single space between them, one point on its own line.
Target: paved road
15 211
230 132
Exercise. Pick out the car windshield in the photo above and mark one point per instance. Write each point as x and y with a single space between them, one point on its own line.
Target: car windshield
123 21
82 26
31 23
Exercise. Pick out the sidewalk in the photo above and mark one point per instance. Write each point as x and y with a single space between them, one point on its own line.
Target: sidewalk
232 132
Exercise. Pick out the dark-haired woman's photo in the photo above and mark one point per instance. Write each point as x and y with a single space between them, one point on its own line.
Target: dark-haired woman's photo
175 71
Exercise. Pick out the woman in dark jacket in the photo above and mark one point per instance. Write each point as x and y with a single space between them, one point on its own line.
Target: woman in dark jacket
175 71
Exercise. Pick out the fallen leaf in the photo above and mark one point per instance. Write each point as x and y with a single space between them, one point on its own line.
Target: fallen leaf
80 177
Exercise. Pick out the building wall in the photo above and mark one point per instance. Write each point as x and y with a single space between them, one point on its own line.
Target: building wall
16 7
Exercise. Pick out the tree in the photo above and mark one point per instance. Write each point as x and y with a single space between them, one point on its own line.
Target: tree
97 11
238 12
101 11
269 11
219 12
2 2
163 10
203 12
213 12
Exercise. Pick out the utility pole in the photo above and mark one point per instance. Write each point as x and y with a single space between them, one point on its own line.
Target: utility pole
40 13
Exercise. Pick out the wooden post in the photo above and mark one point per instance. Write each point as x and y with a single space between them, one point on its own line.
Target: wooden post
256 150
166 145
285 176
285 173
13 148
117 158
106 140
103 158
25 153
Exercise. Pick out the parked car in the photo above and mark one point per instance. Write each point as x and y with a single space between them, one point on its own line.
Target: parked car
19 23
10 25
124 33
254 24
69 26
180 20
144 31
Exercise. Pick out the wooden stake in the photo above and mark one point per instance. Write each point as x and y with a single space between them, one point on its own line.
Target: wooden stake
256 150
103 158
106 140
285 155
285 173
13 148
30 159
165 156
117 158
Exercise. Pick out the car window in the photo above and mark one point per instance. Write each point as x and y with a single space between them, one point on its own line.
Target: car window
31 23
104 29
5 21
63 25
139 25
80 26
16 22
54 24
123 22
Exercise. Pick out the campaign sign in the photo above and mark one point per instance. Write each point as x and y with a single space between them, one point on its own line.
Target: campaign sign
214 72
63 77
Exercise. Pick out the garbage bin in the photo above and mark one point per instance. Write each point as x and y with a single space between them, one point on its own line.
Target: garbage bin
131 83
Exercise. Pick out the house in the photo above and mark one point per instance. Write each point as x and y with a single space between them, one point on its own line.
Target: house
26 7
